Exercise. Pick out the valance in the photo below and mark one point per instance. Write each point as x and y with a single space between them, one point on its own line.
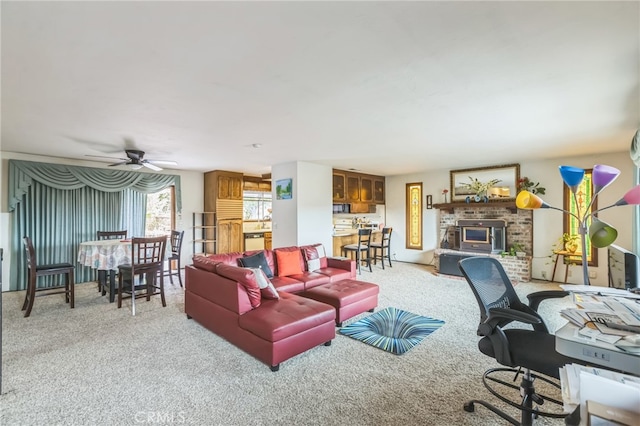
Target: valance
61 176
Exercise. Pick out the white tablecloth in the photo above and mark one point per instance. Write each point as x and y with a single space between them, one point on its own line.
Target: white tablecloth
104 254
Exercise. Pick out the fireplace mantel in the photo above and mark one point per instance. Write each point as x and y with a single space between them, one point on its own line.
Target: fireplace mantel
509 205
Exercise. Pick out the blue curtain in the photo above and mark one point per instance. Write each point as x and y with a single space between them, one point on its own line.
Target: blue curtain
59 206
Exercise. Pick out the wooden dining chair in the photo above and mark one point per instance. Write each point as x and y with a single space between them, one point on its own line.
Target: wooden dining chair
140 278
34 271
176 248
102 274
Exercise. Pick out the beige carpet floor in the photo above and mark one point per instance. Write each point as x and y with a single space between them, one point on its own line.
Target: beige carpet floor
98 365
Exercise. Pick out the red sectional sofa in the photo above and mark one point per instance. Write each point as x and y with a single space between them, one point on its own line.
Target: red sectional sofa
225 298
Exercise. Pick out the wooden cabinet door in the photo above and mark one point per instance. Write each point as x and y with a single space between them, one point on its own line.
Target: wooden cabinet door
235 188
353 188
235 236
224 230
223 188
378 190
366 189
268 240
339 193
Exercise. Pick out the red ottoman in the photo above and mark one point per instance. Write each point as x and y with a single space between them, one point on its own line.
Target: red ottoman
349 297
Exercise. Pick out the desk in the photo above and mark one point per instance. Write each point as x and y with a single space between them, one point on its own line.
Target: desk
105 255
564 255
595 352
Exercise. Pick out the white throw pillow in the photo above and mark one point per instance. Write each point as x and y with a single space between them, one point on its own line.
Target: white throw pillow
267 289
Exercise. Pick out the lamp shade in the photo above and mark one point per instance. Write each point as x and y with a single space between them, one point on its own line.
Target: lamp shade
601 233
602 176
572 176
528 201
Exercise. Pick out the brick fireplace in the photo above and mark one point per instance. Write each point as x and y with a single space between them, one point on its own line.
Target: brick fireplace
519 230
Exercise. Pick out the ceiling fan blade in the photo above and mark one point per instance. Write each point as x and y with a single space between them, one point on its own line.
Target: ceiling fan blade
166 162
150 166
119 164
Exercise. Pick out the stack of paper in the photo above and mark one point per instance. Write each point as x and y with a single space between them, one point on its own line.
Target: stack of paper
607 315
580 384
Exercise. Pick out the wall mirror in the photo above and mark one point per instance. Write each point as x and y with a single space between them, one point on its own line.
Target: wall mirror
471 183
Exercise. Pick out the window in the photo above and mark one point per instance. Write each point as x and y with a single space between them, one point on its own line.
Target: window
584 194
160 218
256 205
414 216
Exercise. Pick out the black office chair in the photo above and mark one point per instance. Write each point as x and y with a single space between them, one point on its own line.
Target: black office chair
143 277
520 349
34 271
176 248
361 249
381 250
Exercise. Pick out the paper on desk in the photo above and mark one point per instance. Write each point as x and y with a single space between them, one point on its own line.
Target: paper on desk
598 335
599 290
609 392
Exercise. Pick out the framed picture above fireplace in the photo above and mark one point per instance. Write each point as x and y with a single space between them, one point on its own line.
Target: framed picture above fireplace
497 183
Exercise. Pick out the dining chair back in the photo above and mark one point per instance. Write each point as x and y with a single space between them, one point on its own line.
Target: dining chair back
34 271
176 249
112 235
102 274
380 249
361 249
143 277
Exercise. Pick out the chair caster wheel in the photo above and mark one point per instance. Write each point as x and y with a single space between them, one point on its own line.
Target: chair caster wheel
469 407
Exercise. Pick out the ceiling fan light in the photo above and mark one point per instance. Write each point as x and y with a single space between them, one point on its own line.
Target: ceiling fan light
134 166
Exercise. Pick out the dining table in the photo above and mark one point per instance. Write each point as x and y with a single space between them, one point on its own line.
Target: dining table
105 256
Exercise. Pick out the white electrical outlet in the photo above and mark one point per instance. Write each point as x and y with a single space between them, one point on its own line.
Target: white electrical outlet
593 274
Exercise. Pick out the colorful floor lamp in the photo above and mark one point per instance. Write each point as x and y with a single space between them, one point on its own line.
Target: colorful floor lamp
600 233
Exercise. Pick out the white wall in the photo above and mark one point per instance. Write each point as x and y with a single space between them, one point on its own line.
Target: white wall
192 184
307 217
547 223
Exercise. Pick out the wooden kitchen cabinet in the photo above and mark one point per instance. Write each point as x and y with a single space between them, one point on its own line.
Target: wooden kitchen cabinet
378 190
366 189
268 240
353 188
339 187
357 188
229 236
229 187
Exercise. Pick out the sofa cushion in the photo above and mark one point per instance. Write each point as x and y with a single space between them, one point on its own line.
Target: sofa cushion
267 288
315 256
288 262
290 315
202 262
257 260
288 284
245 277
311 279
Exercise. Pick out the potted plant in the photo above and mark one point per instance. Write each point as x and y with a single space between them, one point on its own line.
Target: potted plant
518 250
569 242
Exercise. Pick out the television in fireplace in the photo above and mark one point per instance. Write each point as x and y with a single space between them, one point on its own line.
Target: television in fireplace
476 234
481 236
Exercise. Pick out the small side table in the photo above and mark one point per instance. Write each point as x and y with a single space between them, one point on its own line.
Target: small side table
564 254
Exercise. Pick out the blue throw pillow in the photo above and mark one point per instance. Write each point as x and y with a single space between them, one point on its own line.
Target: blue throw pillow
257 260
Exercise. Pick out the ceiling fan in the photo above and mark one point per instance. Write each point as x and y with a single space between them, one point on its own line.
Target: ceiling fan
135 160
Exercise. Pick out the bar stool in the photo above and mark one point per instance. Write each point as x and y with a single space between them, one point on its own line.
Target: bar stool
364 239
382 247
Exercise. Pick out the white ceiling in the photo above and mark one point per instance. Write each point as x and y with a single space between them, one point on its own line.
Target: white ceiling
384 87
